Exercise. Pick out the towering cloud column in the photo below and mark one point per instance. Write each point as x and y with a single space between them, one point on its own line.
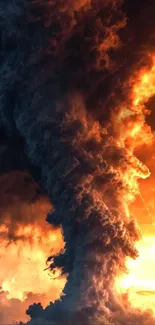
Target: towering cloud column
57 79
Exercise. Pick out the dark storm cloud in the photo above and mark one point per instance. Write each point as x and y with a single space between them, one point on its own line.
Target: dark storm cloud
60 62
19 192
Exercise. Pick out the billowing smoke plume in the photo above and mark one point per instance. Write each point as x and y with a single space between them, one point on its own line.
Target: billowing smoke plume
63 66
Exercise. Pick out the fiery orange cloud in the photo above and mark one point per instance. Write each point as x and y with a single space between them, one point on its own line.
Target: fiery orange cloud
26 242
138 138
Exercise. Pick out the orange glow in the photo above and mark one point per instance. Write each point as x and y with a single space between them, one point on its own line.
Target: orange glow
25 264
25 245
139 283
130 126
133 134
144 89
